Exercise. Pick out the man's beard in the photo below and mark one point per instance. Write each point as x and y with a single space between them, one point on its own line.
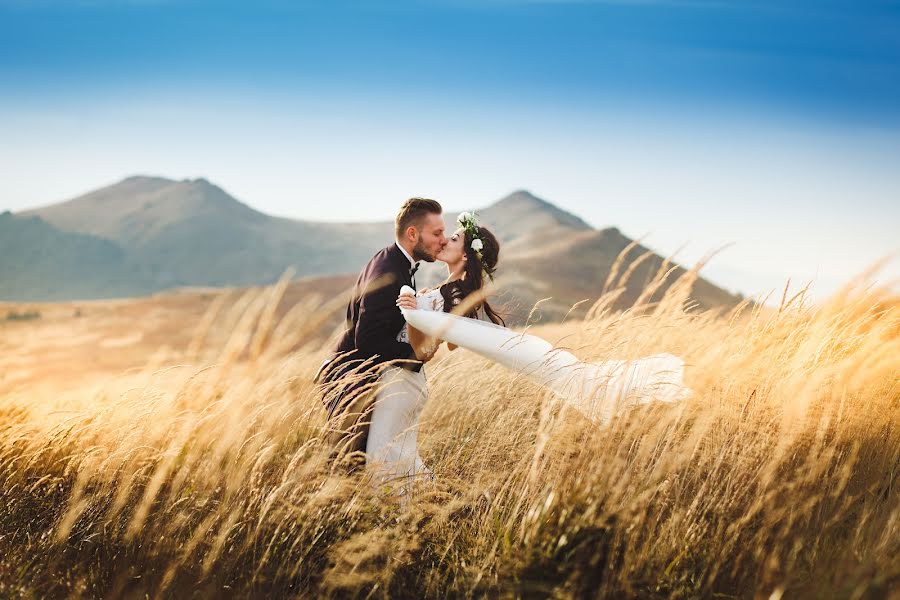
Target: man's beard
420 252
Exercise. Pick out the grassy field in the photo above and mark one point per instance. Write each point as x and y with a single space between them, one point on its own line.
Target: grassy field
199 469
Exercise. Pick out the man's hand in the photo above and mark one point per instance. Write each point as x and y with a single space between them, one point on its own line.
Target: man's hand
406 301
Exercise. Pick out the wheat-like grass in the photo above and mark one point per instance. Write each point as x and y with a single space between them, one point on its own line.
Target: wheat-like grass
779 476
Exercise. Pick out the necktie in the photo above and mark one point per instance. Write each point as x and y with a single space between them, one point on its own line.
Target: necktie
412 274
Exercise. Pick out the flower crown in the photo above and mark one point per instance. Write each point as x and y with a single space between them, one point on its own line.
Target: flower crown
469 222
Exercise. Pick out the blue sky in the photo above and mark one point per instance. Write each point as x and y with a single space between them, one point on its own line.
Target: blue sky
773 126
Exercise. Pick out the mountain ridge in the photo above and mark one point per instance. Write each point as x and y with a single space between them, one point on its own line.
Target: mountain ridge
144 234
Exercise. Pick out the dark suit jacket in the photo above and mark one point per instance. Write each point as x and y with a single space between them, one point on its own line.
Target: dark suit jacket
370 339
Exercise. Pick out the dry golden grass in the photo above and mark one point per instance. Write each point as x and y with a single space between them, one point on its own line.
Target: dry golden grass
778 478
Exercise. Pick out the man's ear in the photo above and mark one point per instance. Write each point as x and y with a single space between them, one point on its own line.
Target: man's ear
412 234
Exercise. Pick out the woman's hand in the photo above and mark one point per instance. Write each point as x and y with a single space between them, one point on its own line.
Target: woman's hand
406 301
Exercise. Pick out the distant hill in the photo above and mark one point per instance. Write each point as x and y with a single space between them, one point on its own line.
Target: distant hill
146 234
575 268
178 233
38 261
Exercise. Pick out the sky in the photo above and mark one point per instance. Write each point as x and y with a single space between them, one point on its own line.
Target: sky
768 128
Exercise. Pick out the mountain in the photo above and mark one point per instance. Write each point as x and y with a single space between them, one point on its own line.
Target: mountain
575 267
146 234
552 255
38 261
522 220
139 210
191 232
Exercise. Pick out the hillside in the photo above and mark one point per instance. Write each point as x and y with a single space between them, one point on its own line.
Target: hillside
38 261
147 234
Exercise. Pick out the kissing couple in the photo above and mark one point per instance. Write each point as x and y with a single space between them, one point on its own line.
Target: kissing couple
374 384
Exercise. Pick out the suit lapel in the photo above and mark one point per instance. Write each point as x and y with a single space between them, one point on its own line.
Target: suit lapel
401 264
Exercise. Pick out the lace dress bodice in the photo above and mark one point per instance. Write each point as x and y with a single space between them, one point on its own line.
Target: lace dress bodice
425 300
430 300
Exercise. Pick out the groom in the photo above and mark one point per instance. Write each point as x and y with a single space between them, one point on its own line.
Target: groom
371 341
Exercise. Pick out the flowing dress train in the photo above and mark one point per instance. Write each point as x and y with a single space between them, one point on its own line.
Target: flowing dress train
598 390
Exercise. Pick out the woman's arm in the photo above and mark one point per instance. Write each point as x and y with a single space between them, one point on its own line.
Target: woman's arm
425 346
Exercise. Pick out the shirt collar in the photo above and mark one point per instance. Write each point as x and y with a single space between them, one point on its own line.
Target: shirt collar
406 254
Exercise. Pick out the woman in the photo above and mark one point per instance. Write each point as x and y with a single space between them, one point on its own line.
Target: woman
471 254
596 389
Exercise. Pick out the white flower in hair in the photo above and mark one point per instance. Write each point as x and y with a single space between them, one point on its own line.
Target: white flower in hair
463 217
477 245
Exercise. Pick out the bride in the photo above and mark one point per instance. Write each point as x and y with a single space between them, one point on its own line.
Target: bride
455 312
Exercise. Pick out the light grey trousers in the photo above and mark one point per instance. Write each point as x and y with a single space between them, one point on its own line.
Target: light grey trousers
392 455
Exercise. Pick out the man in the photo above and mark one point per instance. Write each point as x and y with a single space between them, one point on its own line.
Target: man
371 345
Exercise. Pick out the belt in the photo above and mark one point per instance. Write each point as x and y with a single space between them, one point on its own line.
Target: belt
408 364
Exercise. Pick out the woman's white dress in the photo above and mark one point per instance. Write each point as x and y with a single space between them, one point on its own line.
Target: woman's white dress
598 390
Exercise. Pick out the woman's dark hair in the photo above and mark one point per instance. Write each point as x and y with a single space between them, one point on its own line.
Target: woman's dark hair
456 291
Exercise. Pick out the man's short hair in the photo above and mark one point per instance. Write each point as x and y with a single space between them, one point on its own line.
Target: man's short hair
413 212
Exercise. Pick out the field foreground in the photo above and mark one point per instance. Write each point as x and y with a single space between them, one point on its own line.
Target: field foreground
779 478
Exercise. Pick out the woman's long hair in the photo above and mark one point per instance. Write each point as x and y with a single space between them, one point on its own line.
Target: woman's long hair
473 278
